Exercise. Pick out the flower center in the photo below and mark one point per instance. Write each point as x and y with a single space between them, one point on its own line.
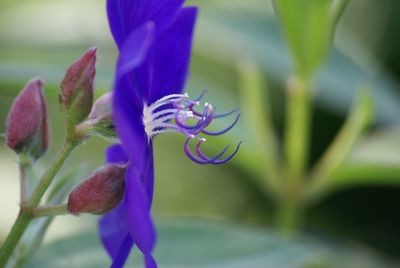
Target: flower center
178 113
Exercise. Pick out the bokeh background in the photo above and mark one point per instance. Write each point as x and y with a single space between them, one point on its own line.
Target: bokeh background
43 37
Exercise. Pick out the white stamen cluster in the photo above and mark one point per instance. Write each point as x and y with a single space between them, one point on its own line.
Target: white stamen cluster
156 122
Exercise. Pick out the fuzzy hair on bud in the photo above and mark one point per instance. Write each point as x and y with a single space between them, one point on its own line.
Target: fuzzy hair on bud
26 127
100 192
76 98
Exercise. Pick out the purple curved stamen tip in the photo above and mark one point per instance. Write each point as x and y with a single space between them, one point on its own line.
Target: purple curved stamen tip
204 157
223 161
217 133
216 160
190 155
201 95
226 114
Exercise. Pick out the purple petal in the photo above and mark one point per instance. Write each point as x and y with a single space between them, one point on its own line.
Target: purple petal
150 262
127 101
113 229
135 48
137 211
125 16
170 55
132 55
123 252
115 154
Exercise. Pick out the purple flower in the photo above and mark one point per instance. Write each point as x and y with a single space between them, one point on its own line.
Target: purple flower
154 38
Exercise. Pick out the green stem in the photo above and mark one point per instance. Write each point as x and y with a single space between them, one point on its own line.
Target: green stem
25 174
296 145
257 112
297 128
47 177
13 237
289 216
50 211
25 214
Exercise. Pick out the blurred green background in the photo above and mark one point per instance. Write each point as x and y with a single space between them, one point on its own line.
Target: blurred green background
43 37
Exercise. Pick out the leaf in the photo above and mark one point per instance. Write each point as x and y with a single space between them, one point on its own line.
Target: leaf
308 30
374 161
201 244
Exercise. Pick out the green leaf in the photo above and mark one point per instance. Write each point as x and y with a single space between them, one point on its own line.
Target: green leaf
358 120
308 30
211 245
374 160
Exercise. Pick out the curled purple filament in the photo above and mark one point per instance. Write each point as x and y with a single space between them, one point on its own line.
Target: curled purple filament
178 113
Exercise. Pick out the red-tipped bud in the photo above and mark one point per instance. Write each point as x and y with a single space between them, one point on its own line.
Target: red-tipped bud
27 129
102 108
99 193
76 98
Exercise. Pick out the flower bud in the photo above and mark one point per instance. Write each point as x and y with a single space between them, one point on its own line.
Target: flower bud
99 193
100 121
102 108
76 98
27 129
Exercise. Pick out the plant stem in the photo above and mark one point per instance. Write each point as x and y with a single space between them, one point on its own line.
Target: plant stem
289 216
25 214
256 108
297 128
296 146
47 177
25 173
13 237
50 211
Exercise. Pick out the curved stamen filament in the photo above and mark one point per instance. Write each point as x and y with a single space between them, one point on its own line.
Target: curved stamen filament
201 158
217 133
178 113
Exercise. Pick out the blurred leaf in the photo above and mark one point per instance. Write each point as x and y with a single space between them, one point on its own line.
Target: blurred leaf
358 120
256 106
207 245
231 36
375 160
308 28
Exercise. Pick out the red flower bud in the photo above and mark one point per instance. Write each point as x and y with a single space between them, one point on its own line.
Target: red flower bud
102 108
27 129
99 193
76 98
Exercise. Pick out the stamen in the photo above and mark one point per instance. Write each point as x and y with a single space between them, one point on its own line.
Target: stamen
217 133
180 115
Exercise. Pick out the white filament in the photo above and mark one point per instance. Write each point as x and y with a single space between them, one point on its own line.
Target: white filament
157 122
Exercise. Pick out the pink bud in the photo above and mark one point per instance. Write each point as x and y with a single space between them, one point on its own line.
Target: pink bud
102 108
27 129
76 98
99 193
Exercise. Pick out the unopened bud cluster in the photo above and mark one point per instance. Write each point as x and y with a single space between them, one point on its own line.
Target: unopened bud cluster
27 131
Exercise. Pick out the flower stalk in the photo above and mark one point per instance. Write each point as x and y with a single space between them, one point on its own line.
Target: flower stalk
46 211
26 213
